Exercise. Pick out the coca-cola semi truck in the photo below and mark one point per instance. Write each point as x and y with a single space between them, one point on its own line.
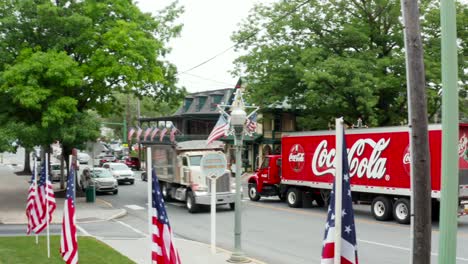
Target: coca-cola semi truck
379 163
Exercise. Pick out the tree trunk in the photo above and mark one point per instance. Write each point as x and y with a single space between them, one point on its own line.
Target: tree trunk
27 162
419 140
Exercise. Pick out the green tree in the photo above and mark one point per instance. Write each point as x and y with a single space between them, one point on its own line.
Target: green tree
60 59
338 58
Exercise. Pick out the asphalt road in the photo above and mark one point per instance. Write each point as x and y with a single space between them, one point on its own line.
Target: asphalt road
274 233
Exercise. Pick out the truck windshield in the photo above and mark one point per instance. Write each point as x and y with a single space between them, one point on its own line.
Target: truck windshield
195 160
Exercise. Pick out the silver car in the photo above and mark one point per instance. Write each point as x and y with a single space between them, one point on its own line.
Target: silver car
120 171
101 178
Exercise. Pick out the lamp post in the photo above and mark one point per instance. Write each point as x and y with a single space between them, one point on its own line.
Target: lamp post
238 118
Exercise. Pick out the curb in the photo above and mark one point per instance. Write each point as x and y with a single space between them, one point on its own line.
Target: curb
221 249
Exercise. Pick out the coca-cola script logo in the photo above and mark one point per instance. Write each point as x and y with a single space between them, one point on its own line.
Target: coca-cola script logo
407 160
372 165
296 158
462 145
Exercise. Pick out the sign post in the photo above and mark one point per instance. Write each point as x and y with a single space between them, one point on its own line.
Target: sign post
213 165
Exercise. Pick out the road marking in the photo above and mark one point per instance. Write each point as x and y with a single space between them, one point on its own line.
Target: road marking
132 228
82 230
134 207
398 247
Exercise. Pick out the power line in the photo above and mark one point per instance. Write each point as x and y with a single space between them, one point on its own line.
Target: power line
244 39
207 79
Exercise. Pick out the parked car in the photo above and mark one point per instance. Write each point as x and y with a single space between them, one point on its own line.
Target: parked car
101 178
55 174
83 157
132 162
120 171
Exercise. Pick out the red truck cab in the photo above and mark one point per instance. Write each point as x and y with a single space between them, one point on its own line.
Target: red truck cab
267 178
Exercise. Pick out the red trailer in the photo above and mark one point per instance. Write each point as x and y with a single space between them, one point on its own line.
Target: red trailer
379 165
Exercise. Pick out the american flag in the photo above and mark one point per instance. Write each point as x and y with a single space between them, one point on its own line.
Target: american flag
251 123
163 133
219 129
130 133
173 132
41 200
153 134
68 239
147 132
348 229
163 250
139 131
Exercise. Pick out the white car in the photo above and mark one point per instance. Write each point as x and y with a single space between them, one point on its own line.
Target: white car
121 172
101 178
83 157
55 172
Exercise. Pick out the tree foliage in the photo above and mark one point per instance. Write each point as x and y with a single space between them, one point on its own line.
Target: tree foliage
339 58
59 59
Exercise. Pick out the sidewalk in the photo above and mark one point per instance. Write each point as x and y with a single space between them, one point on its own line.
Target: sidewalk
13 190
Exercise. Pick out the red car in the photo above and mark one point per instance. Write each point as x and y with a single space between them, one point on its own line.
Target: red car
133 162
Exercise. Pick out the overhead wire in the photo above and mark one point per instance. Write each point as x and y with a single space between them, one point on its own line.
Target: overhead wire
246 38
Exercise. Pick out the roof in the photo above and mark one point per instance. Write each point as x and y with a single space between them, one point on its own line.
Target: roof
206 108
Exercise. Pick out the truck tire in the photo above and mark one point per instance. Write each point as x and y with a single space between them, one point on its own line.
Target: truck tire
294 197
232 206
253 194
165 192
192 207
320 202
382 208
401 211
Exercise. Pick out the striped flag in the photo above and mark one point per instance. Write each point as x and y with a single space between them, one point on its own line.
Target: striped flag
219 129
163 133
139 131
348 229
41 201
147 132
153 134
174 130
163 249
68 239
251 123
130 133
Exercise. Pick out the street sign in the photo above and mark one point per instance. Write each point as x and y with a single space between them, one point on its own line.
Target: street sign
213 164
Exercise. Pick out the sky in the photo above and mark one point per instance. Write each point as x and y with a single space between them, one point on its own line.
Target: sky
208 26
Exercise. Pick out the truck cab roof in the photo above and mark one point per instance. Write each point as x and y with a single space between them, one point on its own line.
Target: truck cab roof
199 145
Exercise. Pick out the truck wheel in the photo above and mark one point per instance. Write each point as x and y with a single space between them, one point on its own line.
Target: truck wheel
165 192
294 197
253 195
381 208
192 207
232 206
320 202
401 211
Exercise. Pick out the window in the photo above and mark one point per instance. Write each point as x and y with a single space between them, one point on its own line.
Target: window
277 126
265 163
187 103
195 160
216 101
201 102
184 161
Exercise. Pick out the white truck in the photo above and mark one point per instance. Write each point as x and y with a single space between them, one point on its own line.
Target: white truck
180 177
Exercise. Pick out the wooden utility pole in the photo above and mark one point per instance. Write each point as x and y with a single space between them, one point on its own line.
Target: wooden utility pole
417 113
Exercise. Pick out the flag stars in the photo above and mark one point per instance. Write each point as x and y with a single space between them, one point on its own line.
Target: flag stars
332 216
349 193
346 177
343 213
348 229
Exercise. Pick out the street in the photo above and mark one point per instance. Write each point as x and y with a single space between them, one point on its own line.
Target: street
271 231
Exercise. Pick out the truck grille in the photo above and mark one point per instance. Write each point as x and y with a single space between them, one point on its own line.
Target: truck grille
222 184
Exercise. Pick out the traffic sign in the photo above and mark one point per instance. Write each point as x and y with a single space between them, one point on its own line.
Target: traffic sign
213 164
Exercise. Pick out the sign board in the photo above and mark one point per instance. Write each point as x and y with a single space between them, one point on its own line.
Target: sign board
213 164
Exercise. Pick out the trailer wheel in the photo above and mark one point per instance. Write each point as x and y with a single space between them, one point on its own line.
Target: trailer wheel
294 197
192 207
401 211
253 194
382 208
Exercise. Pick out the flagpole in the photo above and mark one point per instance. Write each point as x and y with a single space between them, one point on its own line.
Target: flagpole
35 189
149 178
338 186
47 202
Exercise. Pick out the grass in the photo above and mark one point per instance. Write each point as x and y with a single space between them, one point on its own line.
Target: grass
23 249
